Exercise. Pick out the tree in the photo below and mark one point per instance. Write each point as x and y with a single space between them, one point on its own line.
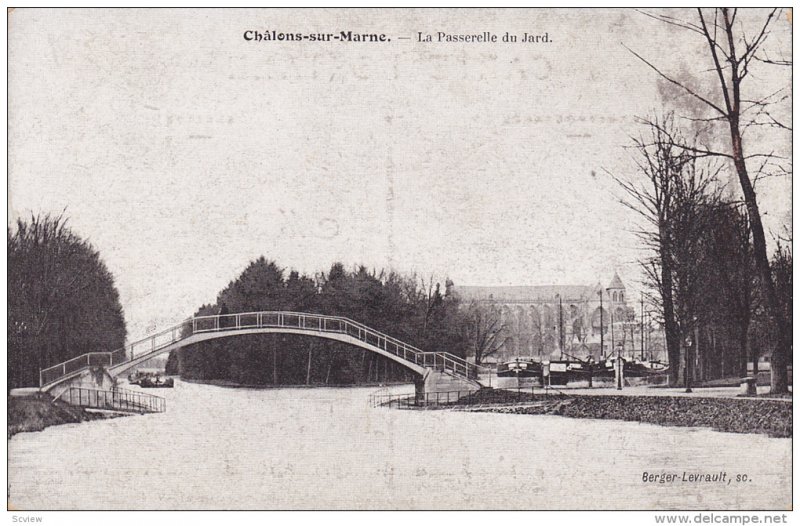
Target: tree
445 322
397 305
732 54
781 266
484 327
731 282
667 192
259 287
62 301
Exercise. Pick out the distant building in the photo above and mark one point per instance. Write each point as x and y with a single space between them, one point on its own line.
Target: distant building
531 325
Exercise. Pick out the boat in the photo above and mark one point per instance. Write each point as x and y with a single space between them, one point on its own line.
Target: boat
136 377
520 368
572 369
562 372
632 368
637 368
156 381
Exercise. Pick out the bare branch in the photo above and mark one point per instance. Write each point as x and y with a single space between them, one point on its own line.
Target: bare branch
676 83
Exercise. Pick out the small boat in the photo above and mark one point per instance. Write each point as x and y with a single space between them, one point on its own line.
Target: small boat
136 377
156 381
636 368
520 368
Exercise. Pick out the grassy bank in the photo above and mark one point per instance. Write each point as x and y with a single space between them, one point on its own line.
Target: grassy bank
38 412
770 417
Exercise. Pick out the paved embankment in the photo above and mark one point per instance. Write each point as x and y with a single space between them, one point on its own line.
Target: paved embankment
734 415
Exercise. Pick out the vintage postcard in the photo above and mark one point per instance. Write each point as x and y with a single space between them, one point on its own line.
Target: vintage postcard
400 259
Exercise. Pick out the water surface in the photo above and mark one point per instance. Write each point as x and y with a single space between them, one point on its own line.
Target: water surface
325 448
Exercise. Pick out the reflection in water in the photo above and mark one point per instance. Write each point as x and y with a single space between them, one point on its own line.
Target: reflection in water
222 448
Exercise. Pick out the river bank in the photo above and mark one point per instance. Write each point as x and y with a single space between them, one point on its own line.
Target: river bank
770 417
34 413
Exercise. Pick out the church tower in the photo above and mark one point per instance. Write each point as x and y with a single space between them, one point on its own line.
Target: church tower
616 291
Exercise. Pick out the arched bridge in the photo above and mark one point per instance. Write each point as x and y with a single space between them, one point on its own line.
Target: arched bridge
439 370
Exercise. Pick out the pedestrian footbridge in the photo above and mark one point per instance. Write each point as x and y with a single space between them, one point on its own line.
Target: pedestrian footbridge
437 371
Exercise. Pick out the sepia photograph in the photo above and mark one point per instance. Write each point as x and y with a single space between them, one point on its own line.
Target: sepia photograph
400 259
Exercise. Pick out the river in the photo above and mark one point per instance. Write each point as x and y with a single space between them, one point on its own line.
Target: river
325 448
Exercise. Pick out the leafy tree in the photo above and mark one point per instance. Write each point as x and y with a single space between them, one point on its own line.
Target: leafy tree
62 301
397 305
731 285
260 287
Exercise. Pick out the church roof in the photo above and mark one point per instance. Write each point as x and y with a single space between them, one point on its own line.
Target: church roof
616 283
526 293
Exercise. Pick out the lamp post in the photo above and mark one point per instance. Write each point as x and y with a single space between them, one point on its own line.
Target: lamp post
612 328
619 366
649 315
602 344
641 320
687 370
560 327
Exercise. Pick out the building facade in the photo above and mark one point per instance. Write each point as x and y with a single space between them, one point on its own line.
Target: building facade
560 321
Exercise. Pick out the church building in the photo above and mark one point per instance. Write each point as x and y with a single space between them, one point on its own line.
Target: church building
556 321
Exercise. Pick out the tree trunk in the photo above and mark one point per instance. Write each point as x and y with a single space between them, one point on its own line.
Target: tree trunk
274 366
779 381
743 329
670 324
330 364
308 369
743 353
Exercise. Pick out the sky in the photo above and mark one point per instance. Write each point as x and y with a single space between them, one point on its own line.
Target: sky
183 151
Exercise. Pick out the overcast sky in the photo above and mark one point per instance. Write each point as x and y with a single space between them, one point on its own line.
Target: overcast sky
183 151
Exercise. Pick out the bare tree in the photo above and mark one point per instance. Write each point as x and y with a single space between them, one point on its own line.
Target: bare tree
484 327
732 53
667 193
431 298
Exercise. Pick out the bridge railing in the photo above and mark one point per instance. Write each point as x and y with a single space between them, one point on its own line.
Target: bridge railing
423 400
437 360
73 365
268 319
318 322
115 400
462 398
146 345
156 341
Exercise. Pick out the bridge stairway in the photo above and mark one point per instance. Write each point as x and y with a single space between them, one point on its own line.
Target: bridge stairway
123 400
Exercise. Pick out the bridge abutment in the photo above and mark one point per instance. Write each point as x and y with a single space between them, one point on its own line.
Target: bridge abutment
94 378
435 381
